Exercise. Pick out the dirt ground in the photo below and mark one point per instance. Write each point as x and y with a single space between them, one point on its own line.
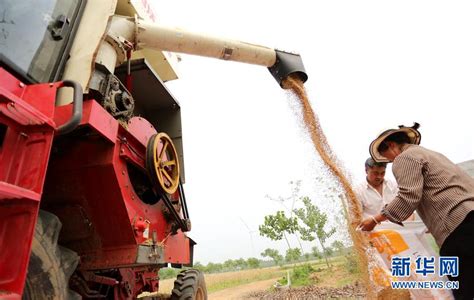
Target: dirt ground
261 290
242 291
311 292
334 283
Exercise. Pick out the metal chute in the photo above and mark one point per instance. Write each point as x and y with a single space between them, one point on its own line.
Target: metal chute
150 35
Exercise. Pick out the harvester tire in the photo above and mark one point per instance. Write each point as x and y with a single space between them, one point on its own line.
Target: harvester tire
50 265
189 285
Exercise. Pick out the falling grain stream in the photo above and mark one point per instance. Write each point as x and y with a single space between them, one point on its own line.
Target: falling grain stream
321 145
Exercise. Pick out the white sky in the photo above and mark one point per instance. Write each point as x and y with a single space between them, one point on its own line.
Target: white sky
372 65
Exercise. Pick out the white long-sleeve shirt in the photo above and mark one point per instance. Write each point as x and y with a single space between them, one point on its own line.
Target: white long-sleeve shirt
372 202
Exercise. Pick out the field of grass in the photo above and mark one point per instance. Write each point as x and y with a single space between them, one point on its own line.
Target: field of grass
338 276
220 281
335 277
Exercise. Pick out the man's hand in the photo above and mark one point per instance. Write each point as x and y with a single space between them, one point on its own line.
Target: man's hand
367 225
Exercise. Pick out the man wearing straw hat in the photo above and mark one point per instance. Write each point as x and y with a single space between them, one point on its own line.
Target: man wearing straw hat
441 193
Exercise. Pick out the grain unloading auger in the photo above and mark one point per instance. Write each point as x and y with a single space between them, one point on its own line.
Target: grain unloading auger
92 203
145 34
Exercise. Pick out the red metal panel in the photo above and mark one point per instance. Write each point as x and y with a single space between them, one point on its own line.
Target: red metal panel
11 84
177 249
85 185
17 225
25 152
94 116
95 176
141 129
40 95
25 117
11 297
10 191
29 111
110 257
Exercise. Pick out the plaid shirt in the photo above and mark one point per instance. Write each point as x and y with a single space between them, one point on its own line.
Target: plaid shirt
440 191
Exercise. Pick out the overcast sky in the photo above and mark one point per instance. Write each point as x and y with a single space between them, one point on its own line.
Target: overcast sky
372 65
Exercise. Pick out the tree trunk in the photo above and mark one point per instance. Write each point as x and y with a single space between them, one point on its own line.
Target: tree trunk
284 235
324 253
299 242
291 215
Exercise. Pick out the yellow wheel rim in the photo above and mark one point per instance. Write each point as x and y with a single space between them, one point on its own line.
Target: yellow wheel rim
200 294
164 162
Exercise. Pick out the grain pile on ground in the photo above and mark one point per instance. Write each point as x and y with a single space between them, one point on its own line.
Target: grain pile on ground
356 291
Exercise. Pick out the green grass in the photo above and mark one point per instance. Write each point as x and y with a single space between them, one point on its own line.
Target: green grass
317 272
220 282
300 276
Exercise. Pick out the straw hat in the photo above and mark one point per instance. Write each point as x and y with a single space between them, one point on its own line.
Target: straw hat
412 133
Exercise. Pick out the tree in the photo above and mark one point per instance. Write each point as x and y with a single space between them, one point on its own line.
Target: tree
292 254
293 198
338 247
240 263
198 266
328 251
307 256
277 226
229 264
273 254
316 253
253 262
166 273
314 224
213 268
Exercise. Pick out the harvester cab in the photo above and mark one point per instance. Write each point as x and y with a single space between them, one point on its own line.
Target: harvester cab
92 203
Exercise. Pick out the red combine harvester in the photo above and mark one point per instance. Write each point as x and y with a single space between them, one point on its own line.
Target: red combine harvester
91 161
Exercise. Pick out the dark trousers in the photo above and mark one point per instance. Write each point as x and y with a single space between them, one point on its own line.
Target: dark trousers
460 243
